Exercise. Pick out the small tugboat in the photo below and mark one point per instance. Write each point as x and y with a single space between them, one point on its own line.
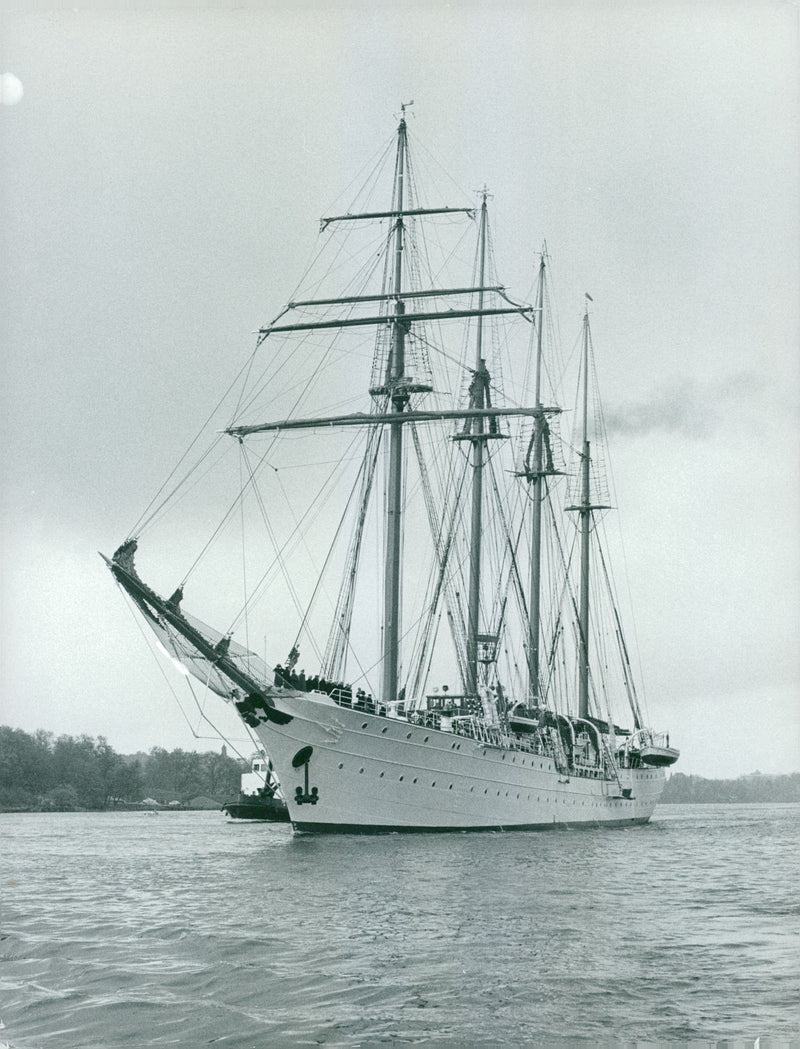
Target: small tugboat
259 795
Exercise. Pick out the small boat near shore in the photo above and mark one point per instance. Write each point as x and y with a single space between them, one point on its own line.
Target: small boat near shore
259 797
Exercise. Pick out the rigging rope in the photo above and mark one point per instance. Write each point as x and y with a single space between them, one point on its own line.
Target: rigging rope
442 535
339 638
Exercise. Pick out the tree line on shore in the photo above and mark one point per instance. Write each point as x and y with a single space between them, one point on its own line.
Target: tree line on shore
39 772
757 787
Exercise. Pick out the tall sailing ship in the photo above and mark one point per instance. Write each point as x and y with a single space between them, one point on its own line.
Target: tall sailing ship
437 564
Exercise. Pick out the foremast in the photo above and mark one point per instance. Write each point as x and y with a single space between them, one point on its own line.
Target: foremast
480 381
398 394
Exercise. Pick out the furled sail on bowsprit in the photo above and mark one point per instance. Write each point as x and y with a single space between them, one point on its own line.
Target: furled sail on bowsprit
194 647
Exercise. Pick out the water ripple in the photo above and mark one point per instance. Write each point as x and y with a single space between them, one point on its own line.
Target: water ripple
124 932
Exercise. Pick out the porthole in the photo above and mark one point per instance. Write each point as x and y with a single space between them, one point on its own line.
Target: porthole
360 771
381 775
408 735
364 725
434 783
450 787
426 739
341 764
402 778
384 730
414 780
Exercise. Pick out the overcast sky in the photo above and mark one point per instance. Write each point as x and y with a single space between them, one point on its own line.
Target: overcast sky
162 177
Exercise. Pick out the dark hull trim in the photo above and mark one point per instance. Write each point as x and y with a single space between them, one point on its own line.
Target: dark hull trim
262 813
355 828
257 807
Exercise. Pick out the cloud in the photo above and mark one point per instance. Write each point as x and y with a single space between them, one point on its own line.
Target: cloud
689 407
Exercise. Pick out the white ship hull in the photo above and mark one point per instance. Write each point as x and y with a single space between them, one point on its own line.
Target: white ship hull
374 774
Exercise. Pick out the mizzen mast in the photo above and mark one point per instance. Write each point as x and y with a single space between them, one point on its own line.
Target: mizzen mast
586 524
584 508
538 465
536 479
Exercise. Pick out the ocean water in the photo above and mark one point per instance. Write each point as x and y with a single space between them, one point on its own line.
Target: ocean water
185 929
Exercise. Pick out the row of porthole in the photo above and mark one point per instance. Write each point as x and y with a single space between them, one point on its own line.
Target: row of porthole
514 761
471 789
457 746
385 729
453 746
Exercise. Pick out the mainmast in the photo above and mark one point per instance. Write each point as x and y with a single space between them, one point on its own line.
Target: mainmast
480 426
399 398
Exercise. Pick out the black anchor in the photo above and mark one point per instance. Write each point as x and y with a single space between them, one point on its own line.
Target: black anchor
301 760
